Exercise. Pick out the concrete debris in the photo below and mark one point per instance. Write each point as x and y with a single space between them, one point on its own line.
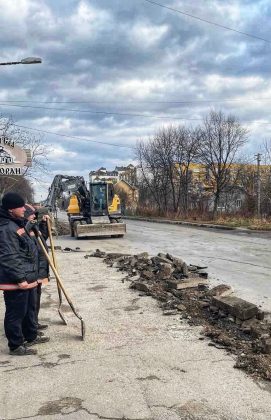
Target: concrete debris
232 324
181 307
97 254
236 307
56 247
142 287
203 304
221 290
267 345
170 312
143 255
62 228
191 283
67 249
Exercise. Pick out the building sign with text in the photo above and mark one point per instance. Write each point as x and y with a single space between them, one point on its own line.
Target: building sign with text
12 157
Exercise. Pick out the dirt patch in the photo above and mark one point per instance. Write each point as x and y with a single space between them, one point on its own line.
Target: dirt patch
62 406
131 308
97 288
196 410
149 378
64 356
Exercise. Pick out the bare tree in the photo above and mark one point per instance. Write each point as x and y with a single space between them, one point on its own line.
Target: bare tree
267 152
164 151
221 139
152 175
17 184
165 164
186 152
265 174
26 140
177 148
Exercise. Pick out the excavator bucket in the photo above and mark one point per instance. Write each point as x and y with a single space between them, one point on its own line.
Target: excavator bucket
99 230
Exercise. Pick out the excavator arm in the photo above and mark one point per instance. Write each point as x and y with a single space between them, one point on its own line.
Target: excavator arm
61 184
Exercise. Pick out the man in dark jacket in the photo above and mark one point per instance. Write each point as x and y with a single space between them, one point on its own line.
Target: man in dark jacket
18 277
30 215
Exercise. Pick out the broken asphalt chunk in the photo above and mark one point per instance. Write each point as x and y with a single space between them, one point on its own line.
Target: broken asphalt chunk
221 290
186 284
236 307
138 285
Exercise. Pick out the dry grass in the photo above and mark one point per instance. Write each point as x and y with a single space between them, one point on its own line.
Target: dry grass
252 223
246 222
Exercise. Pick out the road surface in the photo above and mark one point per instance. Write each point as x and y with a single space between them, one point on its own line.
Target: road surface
135 363
242 260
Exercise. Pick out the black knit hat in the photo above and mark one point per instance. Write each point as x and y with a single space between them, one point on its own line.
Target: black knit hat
12 200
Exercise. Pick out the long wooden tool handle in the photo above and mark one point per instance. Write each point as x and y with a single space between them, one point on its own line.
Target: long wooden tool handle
49 227
57 276
60 286
51 242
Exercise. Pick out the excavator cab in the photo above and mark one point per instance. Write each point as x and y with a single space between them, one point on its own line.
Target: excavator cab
98 199
104 201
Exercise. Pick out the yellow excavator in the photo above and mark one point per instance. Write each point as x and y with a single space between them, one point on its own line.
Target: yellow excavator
91 212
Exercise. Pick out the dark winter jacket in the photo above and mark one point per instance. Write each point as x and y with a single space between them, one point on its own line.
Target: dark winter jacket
19 259
43 229
43 265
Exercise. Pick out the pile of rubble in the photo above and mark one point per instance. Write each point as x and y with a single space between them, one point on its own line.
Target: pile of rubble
61 227
231 323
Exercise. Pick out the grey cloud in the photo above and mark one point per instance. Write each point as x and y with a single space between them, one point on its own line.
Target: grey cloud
132 51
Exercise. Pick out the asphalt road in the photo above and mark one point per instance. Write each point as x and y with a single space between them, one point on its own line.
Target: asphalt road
135 363
240 259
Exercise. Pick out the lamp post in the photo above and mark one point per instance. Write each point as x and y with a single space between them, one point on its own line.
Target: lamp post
28 60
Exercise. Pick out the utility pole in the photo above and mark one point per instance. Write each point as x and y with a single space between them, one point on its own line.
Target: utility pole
258 157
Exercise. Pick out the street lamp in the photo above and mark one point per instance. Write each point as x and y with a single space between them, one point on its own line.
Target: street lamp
28 60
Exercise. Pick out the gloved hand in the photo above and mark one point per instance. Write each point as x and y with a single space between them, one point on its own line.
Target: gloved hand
32 225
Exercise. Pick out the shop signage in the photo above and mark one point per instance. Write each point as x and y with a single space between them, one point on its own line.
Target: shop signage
12 157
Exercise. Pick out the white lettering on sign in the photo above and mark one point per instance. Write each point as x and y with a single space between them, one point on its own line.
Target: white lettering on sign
10 171
12 157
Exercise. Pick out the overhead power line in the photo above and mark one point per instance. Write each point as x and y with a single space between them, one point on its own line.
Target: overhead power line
191 101
73 137
207 21
168 117
87 111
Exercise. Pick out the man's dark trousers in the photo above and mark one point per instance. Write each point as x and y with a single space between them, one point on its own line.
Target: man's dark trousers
20 317
38 300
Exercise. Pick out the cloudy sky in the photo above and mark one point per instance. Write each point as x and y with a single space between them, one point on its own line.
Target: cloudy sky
114 71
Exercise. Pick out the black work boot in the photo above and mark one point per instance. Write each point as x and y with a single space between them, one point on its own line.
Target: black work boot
38 340
42 326
22 351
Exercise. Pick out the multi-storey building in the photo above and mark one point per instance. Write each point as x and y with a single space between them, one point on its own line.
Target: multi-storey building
125 180
241 183
125 173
